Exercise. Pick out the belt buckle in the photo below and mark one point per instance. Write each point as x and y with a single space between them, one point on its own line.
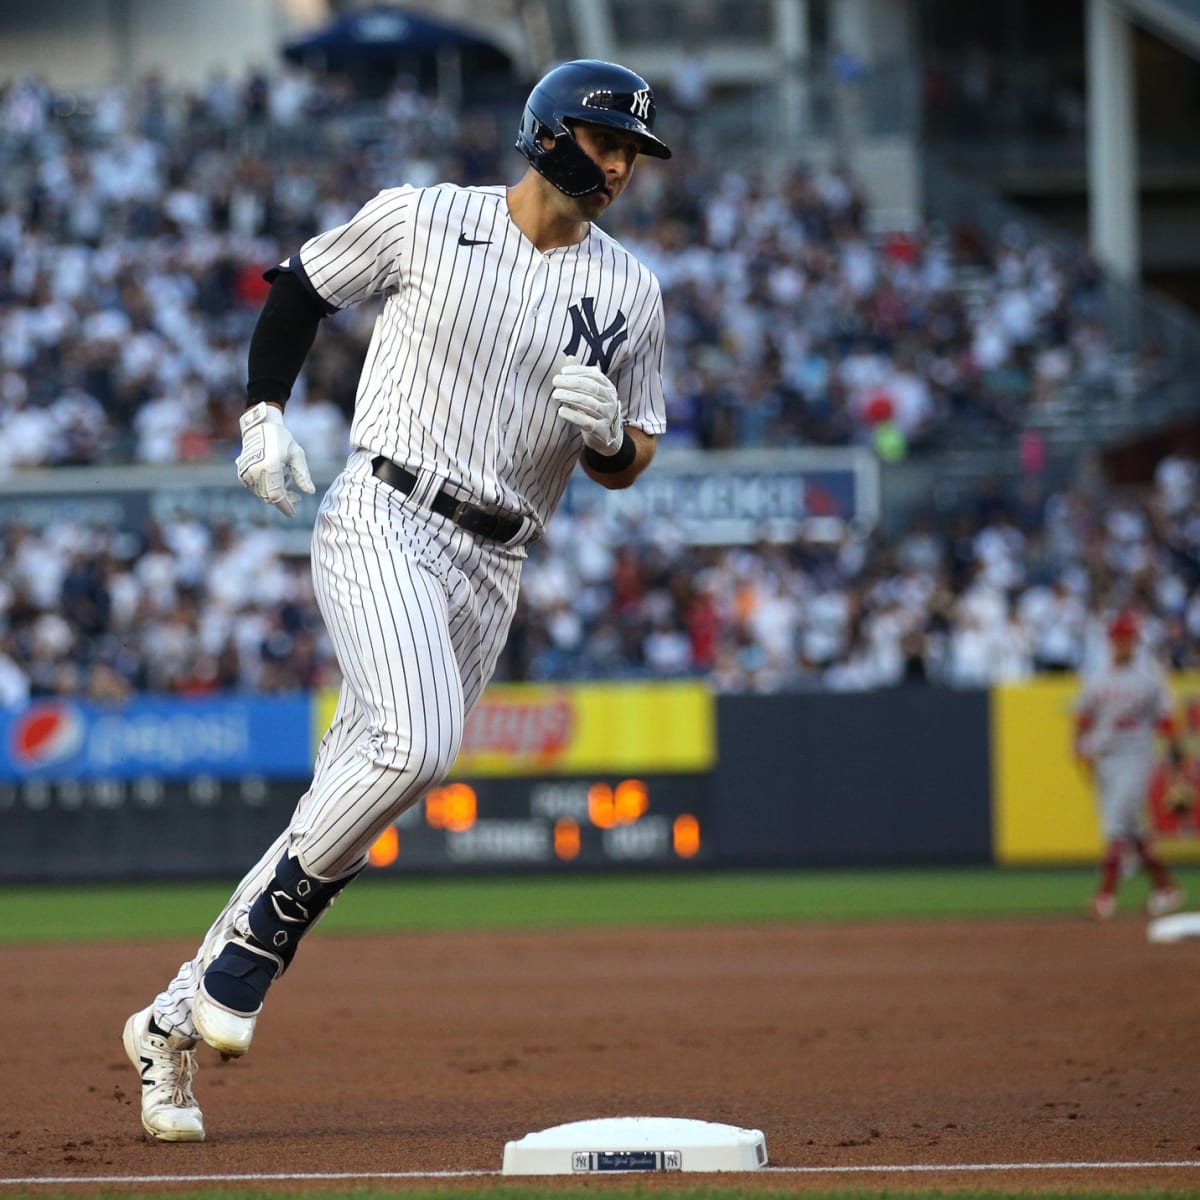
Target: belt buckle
460 510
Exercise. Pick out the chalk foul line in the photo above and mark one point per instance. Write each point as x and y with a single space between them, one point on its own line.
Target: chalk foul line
318 1176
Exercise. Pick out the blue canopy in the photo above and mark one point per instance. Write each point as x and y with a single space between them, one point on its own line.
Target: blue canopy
385 35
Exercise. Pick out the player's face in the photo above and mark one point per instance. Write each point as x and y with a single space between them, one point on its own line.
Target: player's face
614 152
1122 647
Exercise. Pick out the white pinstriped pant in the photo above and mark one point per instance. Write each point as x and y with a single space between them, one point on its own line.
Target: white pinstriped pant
418 612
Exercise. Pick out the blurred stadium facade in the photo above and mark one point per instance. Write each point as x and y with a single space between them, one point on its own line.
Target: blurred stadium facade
1000 150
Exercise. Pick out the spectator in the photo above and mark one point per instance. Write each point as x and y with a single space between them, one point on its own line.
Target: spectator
14 681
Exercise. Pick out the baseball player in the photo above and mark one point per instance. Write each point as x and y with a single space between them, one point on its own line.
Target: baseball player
1121 708
516 340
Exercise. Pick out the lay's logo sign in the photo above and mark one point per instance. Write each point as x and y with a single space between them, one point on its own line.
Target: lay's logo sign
516 728
540 730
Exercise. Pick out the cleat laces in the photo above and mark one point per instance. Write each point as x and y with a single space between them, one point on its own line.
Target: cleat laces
182 1095
166 1070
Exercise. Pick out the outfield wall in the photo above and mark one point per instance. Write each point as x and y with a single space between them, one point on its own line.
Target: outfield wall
575 777
897 776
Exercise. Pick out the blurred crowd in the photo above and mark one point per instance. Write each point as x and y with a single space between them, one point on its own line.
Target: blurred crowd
1010 588
135 223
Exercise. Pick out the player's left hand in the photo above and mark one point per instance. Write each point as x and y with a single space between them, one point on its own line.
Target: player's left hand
587 398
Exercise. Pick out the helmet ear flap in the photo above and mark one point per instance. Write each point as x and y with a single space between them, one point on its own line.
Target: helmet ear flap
565 164
531 132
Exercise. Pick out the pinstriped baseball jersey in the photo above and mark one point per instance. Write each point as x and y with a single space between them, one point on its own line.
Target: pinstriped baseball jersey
476 321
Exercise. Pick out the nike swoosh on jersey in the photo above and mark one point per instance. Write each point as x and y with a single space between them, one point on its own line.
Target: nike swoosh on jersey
463 240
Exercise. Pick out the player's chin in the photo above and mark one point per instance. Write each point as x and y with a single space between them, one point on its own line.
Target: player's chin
594 203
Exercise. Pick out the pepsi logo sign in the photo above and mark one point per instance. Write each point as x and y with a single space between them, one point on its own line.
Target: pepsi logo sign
46 734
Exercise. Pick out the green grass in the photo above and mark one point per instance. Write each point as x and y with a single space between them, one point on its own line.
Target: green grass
38 913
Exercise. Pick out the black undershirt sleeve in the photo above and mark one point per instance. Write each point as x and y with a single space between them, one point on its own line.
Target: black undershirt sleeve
283 337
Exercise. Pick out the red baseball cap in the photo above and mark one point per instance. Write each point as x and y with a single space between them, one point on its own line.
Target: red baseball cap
1124 625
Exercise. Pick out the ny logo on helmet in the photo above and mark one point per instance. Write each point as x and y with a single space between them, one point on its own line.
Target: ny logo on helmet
600 342
640 107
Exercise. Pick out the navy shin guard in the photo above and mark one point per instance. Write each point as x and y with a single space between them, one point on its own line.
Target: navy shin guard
239 976
289 906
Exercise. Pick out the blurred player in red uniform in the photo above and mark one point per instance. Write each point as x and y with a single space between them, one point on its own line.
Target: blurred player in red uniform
1123 705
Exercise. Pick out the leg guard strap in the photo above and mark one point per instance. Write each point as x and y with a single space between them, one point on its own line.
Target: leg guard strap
289 907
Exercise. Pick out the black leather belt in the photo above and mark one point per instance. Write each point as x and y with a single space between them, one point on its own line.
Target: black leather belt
497 526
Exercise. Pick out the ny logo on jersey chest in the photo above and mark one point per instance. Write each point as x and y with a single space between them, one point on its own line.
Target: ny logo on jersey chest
600 342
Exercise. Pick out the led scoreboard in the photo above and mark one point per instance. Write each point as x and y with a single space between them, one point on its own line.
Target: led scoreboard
560 821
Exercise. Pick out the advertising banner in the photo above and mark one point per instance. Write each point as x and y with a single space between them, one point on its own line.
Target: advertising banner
157 738
543 729
738 496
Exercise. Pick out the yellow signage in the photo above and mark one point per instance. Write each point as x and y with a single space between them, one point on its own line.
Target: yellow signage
523 729
1043 809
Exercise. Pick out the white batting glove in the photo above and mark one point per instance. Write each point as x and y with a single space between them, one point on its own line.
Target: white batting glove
587 398
269 457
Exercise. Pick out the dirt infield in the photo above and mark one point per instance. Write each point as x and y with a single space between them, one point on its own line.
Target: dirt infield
941 1043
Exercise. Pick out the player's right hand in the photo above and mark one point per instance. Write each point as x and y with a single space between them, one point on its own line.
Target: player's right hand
270 457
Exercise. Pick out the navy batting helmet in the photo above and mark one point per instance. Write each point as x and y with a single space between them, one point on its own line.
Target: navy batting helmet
601 93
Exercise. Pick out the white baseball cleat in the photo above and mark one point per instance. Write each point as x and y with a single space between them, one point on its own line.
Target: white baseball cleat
1103 906
228 1032
1164 900
167 1065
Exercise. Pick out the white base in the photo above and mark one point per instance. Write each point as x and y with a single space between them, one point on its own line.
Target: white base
1174 928
635 1144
